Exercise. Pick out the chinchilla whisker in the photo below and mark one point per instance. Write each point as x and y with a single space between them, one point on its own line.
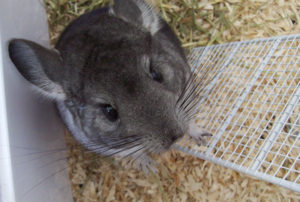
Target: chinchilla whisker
56 160
130 146
117 151
190 102
46 178
116 142
114 138
199 95
188 85
191 81
131 161
144 155
44 154
137 157
88 151
200 77
137 150
26 148
119 143
188 92
74 163
184 113
122 143
191 113
191 117
191 96
34 159
185 89
65 158
187 97
92 151
41 154
191 107
153 148
144 151
53 174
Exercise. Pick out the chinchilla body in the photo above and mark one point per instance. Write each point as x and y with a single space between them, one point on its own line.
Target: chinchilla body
116 74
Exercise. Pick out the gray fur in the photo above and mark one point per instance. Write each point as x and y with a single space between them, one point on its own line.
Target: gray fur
104 57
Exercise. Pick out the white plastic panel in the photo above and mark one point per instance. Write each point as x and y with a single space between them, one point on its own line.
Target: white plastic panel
252 107
29 125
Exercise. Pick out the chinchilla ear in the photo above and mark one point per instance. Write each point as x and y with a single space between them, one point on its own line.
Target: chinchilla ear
137 12
39 65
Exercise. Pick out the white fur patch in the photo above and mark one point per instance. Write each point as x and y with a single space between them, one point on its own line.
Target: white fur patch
70 122
111 11
54 91
151 19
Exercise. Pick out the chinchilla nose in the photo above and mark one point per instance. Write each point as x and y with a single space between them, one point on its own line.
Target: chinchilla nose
175 137
172 136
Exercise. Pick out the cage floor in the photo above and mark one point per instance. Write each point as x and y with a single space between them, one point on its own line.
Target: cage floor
252 107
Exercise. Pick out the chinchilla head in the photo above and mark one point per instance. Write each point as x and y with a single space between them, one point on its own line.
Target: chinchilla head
116 74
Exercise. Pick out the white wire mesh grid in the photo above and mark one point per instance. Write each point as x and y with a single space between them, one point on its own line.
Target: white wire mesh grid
252 107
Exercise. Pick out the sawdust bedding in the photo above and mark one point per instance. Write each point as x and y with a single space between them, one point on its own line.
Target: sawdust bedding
181 177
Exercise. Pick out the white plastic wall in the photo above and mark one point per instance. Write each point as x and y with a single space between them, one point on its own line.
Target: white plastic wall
29 124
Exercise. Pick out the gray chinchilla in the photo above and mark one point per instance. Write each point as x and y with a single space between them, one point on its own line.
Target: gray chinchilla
116 75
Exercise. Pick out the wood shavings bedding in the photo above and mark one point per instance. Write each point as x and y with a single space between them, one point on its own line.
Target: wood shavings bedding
181 177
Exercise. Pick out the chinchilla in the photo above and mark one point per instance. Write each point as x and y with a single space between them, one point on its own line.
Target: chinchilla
117 75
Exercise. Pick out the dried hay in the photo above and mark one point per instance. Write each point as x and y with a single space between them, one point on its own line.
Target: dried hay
181 177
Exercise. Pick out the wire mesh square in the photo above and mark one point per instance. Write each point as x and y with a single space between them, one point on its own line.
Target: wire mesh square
250 102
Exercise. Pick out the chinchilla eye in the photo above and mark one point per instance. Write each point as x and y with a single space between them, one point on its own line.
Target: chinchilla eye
156 76
110 113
